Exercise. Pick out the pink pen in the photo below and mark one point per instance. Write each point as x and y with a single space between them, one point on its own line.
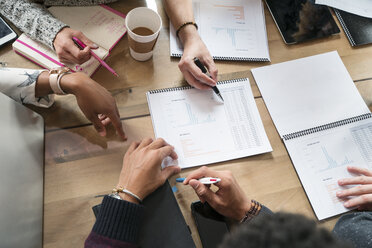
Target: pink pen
81 45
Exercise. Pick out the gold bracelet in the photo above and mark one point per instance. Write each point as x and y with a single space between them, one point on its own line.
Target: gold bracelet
253 211
184 25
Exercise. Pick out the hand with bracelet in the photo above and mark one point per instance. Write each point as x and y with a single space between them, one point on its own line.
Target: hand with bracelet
181 15
229 200
142 173
95 101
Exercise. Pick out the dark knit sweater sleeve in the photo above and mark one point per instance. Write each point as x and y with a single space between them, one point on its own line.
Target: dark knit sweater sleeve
355 228
117 224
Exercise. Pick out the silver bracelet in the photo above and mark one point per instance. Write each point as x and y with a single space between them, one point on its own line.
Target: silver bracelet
132 194
125 191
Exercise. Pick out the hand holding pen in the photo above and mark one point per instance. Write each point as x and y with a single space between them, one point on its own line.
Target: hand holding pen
81 45
199 64
229 200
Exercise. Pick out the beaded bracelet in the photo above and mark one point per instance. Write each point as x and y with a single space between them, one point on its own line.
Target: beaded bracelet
184 25
125 191
253 211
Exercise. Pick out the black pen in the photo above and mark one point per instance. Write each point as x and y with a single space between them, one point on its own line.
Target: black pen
199 64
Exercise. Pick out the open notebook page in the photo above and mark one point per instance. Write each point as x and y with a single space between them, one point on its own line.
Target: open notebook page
232 30
309 92
46 58
202 129
99 23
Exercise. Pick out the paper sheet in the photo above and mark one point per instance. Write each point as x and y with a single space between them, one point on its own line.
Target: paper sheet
203 130
321 159
233 29
357 7
309 92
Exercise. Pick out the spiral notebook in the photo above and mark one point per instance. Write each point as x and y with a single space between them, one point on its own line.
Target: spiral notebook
323 121
357 28
231 30
205 130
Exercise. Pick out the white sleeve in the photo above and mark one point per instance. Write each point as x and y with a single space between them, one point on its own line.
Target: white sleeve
19 84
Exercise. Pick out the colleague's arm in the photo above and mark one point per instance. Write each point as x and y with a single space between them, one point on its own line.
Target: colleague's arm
38 23
229 200
118 222
179 12
32 87
360 195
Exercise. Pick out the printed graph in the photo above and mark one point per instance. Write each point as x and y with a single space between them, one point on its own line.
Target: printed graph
182 114
236 11
233 35
332 163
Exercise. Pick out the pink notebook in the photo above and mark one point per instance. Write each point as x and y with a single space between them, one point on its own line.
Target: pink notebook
101 24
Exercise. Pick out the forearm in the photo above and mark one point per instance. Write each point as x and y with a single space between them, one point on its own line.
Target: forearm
179 12
32 19
22 85
117 224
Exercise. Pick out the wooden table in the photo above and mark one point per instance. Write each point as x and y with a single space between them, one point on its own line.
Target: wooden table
79 164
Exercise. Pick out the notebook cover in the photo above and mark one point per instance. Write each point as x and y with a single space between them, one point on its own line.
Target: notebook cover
358 29
163 224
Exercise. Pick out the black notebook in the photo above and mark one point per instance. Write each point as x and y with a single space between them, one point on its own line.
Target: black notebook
358 29
163 224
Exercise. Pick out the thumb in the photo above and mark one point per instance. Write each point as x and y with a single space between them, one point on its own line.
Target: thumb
87 41
203 191
170 170
98 125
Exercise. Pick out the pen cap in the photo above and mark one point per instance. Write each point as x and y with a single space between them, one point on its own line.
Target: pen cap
143 25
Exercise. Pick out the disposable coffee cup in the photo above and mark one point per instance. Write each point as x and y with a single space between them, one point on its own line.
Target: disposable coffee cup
143 25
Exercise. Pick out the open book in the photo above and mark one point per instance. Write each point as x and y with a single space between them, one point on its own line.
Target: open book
323 121
101 24
204 130
231 30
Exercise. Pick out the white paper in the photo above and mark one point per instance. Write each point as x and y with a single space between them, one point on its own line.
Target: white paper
357 7
309 92
321 159
204 130
230 30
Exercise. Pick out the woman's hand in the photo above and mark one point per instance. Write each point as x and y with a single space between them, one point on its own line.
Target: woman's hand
361 193
142 173
229 200
95 102
66 49
194 47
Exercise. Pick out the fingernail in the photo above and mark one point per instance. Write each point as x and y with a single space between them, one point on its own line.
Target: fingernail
102 133
347 204
338 193
95 46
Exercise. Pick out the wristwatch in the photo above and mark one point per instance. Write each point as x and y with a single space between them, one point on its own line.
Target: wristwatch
55 76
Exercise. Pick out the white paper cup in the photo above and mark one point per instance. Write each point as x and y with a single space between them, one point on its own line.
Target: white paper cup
141 46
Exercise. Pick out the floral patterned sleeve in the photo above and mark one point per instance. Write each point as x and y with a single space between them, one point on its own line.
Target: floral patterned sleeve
19 84
33 19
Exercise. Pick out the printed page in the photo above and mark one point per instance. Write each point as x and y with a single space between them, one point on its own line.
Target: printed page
233 29
359 7
204 130
309 92
322 158
99 24
46 58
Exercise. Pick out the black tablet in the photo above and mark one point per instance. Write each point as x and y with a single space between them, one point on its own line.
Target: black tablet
302 20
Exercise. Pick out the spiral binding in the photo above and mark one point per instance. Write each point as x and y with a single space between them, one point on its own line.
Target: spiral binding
347 32
190 87
327 126
179 55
